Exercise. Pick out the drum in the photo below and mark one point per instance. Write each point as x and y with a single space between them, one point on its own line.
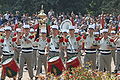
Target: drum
73 62
10 68
55 65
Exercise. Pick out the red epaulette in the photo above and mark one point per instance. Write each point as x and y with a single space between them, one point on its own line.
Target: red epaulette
78 38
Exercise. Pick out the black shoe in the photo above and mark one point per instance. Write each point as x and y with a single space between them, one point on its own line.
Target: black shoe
35 68
31 78
115 71
40 70
36 78
19 78
96 67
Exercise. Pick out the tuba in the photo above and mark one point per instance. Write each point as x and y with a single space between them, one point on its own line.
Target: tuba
65 24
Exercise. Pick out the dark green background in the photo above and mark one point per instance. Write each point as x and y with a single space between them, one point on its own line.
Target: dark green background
93 7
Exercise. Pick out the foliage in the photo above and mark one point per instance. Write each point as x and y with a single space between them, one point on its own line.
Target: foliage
83 6
80 73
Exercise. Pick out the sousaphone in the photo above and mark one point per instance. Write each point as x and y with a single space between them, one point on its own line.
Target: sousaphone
65 24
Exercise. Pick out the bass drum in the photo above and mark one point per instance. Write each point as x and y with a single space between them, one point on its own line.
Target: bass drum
55 65
10 67
65 24
73 62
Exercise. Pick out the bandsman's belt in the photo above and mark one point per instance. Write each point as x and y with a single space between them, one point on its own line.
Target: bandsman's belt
35 46
105 50
56 48
118 48
54 51
105 53
27 48
5 52
90 51
41 52
70 49
35 49
26 51
18 47
71 53
8 54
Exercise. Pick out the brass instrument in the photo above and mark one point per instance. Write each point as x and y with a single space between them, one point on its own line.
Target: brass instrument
42 18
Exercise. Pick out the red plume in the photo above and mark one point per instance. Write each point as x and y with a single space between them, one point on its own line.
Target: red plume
14 39
96 39
66 40
78 38
61 40
83 36
111 40
100 38
1 40
31 37
20 37
37 40
15 34
48 40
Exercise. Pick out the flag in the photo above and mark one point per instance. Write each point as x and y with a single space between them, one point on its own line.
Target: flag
16 24
48 27
37 34
72 20
102 21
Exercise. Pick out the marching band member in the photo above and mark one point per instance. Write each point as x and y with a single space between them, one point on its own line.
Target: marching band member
43 44
106 45
63 50
27 52
90 45
1 36
97 39
112 36
113 52
54 42
17 51
8 47
35 46
73 45
117 56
